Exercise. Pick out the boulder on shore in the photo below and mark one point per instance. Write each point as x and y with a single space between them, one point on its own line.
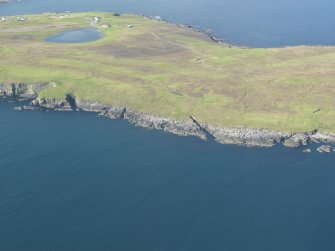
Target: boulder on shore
324 149
296 140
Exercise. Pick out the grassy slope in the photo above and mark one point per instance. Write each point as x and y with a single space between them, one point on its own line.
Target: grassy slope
162 69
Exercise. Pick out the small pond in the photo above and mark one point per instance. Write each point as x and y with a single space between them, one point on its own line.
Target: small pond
82 35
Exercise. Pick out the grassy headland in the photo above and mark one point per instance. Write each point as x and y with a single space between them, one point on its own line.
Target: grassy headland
162 69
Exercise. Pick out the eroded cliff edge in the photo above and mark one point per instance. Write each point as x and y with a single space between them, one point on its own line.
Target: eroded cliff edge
223 135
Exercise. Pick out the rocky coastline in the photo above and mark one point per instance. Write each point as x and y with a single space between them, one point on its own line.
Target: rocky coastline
223 135
5 1
214 38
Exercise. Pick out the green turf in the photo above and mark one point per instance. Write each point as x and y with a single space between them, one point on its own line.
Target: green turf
162 69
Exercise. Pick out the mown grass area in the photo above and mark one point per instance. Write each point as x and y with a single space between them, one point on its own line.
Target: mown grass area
162 69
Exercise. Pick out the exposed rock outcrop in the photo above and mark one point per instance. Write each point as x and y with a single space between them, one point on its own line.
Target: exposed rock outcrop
324 149
223 135
24 91
297 140
5 1
241 136
245 136
156 122
53 103
121 112
24 107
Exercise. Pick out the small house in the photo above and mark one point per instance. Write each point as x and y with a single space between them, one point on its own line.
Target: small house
158 18
97 19
22 19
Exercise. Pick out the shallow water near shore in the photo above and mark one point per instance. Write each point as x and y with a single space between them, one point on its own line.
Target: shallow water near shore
82 35
72 181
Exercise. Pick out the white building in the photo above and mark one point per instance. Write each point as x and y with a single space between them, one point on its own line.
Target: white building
97 19
22 19
158 18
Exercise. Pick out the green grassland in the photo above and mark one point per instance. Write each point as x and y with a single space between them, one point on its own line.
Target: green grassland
162 69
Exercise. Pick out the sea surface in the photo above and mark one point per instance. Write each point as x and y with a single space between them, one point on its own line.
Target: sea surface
74 181
255 23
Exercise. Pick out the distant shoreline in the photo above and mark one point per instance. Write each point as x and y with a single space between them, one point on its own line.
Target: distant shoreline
5 1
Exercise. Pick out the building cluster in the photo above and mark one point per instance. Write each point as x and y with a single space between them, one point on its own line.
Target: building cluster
20 19
96 20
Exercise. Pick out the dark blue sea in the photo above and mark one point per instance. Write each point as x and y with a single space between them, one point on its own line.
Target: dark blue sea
74 181
256 23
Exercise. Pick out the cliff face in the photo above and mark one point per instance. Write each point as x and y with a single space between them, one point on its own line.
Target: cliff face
24 91
245 136
121 112
241 136
223 135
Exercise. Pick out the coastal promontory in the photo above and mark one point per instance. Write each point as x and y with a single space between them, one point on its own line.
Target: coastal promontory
149 66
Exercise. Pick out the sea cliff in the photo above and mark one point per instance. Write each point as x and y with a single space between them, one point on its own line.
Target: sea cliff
155 67
23 90
223 135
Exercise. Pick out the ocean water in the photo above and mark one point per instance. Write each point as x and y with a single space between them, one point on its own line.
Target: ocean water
73 181
82 35
256 23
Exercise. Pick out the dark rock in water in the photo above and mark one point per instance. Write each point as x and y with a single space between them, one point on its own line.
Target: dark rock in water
25 107
324 149
323 137
52 103
296 140
29 107
313 140
102 114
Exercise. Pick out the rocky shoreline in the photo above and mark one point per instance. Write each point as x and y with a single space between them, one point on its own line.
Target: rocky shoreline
208 33
5 1
223 135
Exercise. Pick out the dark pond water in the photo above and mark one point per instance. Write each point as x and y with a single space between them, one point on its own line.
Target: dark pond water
83 35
